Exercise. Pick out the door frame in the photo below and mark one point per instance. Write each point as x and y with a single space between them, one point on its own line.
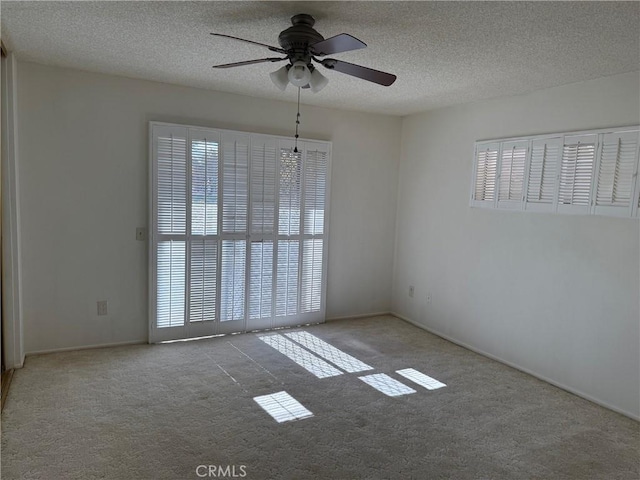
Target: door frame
12 329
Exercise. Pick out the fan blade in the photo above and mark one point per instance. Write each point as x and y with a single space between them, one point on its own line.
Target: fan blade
365 73
250 62
338 44
273 49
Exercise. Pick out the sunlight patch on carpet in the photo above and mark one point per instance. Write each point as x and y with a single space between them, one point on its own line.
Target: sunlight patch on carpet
387 385
302 357
329 352
283 407
421 379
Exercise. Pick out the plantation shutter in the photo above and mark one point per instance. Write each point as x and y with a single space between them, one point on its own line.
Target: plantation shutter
543 174
235 204
486 166
204 240
511 177
617 168
169 224
264 164
576 173
289 212
302 240
589 172
315 187
239 234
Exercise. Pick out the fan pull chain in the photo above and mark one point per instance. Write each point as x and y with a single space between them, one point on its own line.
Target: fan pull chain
295 149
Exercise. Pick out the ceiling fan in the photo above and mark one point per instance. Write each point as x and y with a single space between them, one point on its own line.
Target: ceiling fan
303 45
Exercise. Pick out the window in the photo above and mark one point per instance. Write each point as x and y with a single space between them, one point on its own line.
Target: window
592 172
238 235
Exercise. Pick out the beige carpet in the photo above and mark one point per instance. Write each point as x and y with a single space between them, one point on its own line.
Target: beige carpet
159 412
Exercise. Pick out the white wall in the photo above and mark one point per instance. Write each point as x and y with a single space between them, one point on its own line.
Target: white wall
84 169
556 295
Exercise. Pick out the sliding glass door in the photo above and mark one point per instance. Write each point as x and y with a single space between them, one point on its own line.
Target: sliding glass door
238 234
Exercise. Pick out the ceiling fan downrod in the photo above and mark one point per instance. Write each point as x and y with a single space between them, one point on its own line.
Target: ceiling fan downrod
295 148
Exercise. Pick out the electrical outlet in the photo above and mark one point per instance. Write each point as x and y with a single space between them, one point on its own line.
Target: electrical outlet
102 307
429 297
141 234
411 290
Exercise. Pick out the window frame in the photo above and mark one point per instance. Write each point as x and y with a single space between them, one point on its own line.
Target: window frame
559 138
203 328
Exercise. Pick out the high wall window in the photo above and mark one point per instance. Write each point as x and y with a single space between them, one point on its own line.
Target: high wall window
592 172
239 234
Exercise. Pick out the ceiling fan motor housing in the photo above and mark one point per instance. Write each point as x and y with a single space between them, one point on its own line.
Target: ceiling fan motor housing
297 38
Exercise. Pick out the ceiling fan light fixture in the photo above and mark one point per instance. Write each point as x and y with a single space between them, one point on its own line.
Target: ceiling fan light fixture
317 81
280 78
299 74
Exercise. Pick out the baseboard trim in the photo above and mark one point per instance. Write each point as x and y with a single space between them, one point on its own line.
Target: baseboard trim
360 315
518 367
86 347
7 375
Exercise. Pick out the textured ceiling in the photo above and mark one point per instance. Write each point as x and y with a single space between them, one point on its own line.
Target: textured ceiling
444 53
